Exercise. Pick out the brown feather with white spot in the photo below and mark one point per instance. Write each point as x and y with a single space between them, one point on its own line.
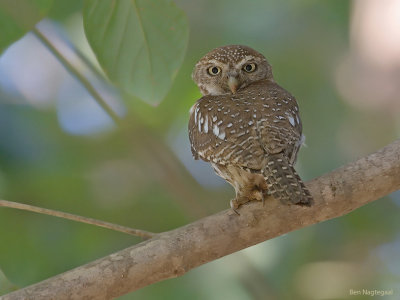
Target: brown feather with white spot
251 132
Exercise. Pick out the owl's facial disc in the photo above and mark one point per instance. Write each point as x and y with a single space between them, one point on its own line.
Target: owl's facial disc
230 69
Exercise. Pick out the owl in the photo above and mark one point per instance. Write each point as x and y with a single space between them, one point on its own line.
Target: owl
247 126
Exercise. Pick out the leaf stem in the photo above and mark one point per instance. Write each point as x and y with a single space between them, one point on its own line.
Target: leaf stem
83 80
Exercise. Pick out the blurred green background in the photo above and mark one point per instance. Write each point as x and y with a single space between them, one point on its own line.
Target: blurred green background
59 150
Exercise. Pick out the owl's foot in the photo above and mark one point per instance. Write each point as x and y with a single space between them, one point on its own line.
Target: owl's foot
255 192
234 206
238 201
260 190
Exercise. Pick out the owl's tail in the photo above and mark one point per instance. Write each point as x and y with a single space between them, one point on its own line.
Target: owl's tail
284 183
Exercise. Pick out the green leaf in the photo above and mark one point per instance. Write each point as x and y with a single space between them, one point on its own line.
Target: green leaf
63 9
18 17
140 44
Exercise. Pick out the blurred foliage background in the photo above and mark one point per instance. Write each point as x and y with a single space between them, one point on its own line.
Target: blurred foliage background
60 150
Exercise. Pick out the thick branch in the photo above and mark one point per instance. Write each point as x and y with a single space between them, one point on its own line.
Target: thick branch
173 253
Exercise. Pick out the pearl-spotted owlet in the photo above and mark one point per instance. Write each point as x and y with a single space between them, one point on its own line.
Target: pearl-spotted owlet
247 126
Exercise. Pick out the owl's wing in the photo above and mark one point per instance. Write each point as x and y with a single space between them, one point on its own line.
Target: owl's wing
279 126
222 132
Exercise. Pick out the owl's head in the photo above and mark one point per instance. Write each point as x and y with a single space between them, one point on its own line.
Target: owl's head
227 69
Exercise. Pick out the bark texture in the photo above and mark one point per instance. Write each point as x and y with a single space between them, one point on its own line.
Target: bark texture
171 254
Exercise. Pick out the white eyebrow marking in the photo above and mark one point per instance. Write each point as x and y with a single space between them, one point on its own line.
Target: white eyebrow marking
215 62
243 60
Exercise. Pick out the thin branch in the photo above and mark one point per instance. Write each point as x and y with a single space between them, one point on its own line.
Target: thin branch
74 71
55 213
171 254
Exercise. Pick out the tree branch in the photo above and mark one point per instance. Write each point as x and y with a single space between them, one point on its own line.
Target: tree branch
173 253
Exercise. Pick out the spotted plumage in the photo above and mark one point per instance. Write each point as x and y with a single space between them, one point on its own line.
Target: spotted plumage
247 126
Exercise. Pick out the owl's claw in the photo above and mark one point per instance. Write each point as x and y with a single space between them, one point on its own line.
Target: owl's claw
234 205
265 195
260 191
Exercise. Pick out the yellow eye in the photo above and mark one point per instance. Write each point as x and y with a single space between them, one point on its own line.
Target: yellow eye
214 70
250 68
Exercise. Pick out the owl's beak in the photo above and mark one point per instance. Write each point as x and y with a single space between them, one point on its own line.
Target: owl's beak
233 84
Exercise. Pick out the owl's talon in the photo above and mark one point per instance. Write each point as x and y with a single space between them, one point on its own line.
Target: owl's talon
234 205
